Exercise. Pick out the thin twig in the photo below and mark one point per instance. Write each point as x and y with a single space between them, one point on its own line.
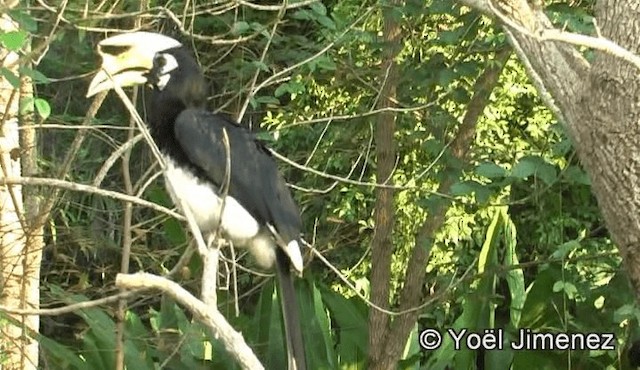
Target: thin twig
251 93
328 47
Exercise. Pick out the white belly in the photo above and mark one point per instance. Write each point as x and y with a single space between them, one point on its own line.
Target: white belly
201 198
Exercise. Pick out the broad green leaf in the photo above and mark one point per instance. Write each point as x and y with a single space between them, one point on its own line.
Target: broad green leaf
326 21
576 175
463 188
35 75
11 77
26 21
490 170
13 40
547 173
563 250
322 345
351 327
43 108
261 66
523 169
269 100
240 27
63 357
281 90
318 7
326 63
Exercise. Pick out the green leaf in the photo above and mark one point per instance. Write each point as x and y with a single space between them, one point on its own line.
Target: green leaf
452 36
269 100
523 169
515 277
576 175
482 192
547 173
11 77
490 170
13 40
623 313
64 357
43 108
26 21
326 63
240 27
318 7
348 315
566 287
558 286
34 74
322 346
326 21
566 248
281 90
446 77
444 7
261 66
487 253
462 188
539 307
303 14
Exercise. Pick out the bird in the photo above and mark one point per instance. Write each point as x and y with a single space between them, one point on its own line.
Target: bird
245 196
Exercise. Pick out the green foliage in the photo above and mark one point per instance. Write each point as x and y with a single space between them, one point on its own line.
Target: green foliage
523 244
169 337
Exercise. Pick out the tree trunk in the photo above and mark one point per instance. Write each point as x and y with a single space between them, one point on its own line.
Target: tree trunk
382 244
20 241
598 103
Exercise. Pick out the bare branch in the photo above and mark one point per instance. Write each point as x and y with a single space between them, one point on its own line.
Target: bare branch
102 173
285 5
552 34
62 184
210 316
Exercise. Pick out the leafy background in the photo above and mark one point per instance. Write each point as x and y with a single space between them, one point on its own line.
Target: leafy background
523 245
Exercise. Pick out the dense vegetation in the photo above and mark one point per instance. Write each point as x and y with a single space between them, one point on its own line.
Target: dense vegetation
523 244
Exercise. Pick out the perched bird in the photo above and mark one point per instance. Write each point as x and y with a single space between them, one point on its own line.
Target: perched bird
258 211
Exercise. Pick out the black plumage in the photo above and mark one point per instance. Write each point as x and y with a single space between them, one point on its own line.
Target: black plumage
259 212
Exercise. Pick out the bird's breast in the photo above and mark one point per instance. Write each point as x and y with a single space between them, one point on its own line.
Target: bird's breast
202 198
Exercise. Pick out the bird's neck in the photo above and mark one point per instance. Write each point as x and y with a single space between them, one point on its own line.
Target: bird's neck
162 116
184 91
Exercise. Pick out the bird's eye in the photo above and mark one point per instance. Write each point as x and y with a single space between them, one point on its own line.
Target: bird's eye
164 63
159 61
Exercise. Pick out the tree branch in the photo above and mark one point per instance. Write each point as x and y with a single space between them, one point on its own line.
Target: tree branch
209 316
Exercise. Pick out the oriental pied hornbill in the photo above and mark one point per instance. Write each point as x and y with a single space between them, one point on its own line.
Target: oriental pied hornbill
259 212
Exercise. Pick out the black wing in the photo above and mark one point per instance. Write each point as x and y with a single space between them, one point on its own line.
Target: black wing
255 182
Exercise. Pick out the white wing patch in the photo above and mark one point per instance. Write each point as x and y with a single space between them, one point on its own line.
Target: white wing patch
237 224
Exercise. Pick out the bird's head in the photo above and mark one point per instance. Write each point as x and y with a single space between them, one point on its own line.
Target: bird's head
145 58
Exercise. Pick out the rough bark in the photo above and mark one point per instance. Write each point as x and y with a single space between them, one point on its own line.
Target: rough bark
607 132
20 244
382 244
599 105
